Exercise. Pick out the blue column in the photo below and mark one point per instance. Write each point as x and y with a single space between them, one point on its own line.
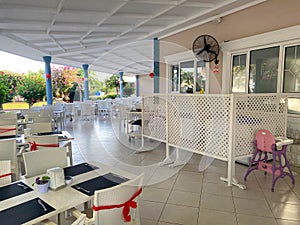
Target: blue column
121 84
136 85
47 60
156 65
86 81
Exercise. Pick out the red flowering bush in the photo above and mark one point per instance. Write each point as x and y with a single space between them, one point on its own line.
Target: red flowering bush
32 88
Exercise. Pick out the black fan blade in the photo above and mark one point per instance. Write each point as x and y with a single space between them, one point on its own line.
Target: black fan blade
202 50
204 39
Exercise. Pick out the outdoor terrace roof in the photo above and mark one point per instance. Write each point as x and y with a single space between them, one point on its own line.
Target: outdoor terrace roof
109 35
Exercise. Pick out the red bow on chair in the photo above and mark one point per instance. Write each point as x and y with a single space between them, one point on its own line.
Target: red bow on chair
3 130
34 145
5 175
126 206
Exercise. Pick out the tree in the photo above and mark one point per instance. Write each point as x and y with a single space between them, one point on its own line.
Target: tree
113 82
32 88
8 84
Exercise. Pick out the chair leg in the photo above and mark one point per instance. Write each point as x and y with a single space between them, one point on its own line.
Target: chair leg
252 161
287 165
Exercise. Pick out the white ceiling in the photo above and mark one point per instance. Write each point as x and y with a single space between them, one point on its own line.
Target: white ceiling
109 35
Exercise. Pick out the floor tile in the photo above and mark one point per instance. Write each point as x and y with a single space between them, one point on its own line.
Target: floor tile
151 210
244 219
155 194
286 211
216 202
282 196
287 222
184 198
213 217
179 215
252 207
217 189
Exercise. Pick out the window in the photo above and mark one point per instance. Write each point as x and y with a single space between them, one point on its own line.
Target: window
175 78
264 70
239 73
201 77
292 69
187 77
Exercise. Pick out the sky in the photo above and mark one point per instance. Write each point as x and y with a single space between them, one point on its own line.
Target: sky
20 64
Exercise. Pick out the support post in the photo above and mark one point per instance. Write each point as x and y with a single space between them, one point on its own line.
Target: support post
156 65
47 60
86 81
121 84
136 85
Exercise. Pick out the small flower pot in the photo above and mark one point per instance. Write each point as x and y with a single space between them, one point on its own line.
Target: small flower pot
43 188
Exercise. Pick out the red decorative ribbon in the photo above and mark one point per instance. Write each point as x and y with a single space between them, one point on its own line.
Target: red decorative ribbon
126 206
4 130
5 175
34 145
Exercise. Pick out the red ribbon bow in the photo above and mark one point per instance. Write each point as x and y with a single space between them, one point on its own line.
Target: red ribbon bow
126 206
4 130
5 175
34 145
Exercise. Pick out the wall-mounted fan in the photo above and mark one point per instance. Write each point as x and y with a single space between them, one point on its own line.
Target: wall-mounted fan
206 48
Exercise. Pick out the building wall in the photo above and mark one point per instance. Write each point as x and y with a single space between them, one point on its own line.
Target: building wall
268 16
146 85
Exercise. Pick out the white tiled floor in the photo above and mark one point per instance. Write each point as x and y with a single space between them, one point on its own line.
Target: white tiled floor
185 195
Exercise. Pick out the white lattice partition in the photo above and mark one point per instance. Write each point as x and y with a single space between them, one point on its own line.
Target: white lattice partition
219 126
254 112
200 123
154 117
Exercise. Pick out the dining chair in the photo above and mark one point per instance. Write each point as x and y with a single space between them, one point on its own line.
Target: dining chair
8 151
79 218
5 172
40 127
37 162
118 205
265 145
38 142
41 142
87 111
69 111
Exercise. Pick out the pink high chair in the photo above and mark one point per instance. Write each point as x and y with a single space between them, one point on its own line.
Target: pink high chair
265 144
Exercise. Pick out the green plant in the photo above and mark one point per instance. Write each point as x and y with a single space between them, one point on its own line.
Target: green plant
32 88
43 180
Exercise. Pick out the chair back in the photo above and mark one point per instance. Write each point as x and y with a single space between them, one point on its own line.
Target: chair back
8 151
264 140
42 142
40 127
37 162
114 196
5 172
13 116
8 130
42 119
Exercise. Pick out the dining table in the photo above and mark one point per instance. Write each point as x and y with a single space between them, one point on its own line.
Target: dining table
21 203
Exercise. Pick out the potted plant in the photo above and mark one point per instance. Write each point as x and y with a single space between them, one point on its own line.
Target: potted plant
42 183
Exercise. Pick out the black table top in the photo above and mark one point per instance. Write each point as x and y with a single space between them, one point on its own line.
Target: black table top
24 212
79 169
13 190
106 181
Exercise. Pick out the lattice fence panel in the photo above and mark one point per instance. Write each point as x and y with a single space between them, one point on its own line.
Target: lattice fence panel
254 112
154 116
200 123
